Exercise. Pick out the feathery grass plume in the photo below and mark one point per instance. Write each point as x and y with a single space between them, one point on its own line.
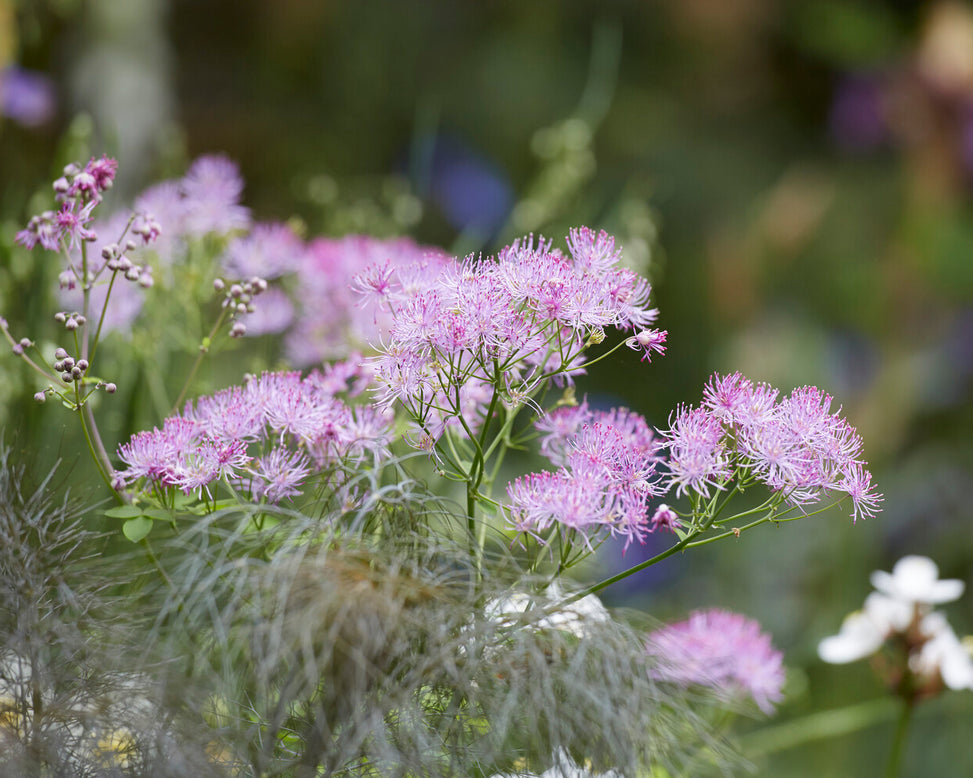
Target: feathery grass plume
70 702
351 646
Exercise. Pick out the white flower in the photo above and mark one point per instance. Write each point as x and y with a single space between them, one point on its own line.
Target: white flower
863 632
564 767
903 606
575 618
915 579
943 654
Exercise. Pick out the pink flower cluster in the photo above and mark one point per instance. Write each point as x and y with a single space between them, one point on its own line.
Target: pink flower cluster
77 192
722 650
794 445
330 321
605 480
513 322
206 201
264 437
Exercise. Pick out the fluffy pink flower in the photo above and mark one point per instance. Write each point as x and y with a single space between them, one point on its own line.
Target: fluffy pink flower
697 456
607 478
211 191
268 251
794 445
301 418
279 475
722 650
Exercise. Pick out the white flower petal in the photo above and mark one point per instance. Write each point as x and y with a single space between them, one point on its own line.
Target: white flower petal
915 579
888 614
859 637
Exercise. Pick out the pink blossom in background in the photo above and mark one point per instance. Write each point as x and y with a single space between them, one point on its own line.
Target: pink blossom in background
269 250
273 313
211 189
722 650
332 321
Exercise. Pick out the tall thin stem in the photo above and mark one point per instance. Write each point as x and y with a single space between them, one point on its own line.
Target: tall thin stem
899 740
203 350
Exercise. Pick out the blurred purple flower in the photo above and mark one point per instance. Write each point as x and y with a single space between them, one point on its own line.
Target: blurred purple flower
26 96
268 251
273 313
212 189
857 120
722 650
470 191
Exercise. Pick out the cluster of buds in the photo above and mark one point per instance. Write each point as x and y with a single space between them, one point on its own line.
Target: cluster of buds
117 262
238 298
21 346
69 369
87 183
71 321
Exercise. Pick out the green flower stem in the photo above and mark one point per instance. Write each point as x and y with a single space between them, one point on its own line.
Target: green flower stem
97 448
101 319
203 350
33 365
907 706
818 726
597 587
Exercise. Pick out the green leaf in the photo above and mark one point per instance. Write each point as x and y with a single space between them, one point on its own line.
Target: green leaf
158 514
123 512
183 501
137 528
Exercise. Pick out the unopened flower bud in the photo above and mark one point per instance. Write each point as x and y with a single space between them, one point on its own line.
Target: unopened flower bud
67 377
111 388
83 364
81 320
60 353
130 245
132 274
218 285
61 185
76 372
146 281
17 349
60 317
248 288
26 342
124 263
68 363
71 324
71 169
260 285
238 330
59 366
241 308
236 290
40 397
250 308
